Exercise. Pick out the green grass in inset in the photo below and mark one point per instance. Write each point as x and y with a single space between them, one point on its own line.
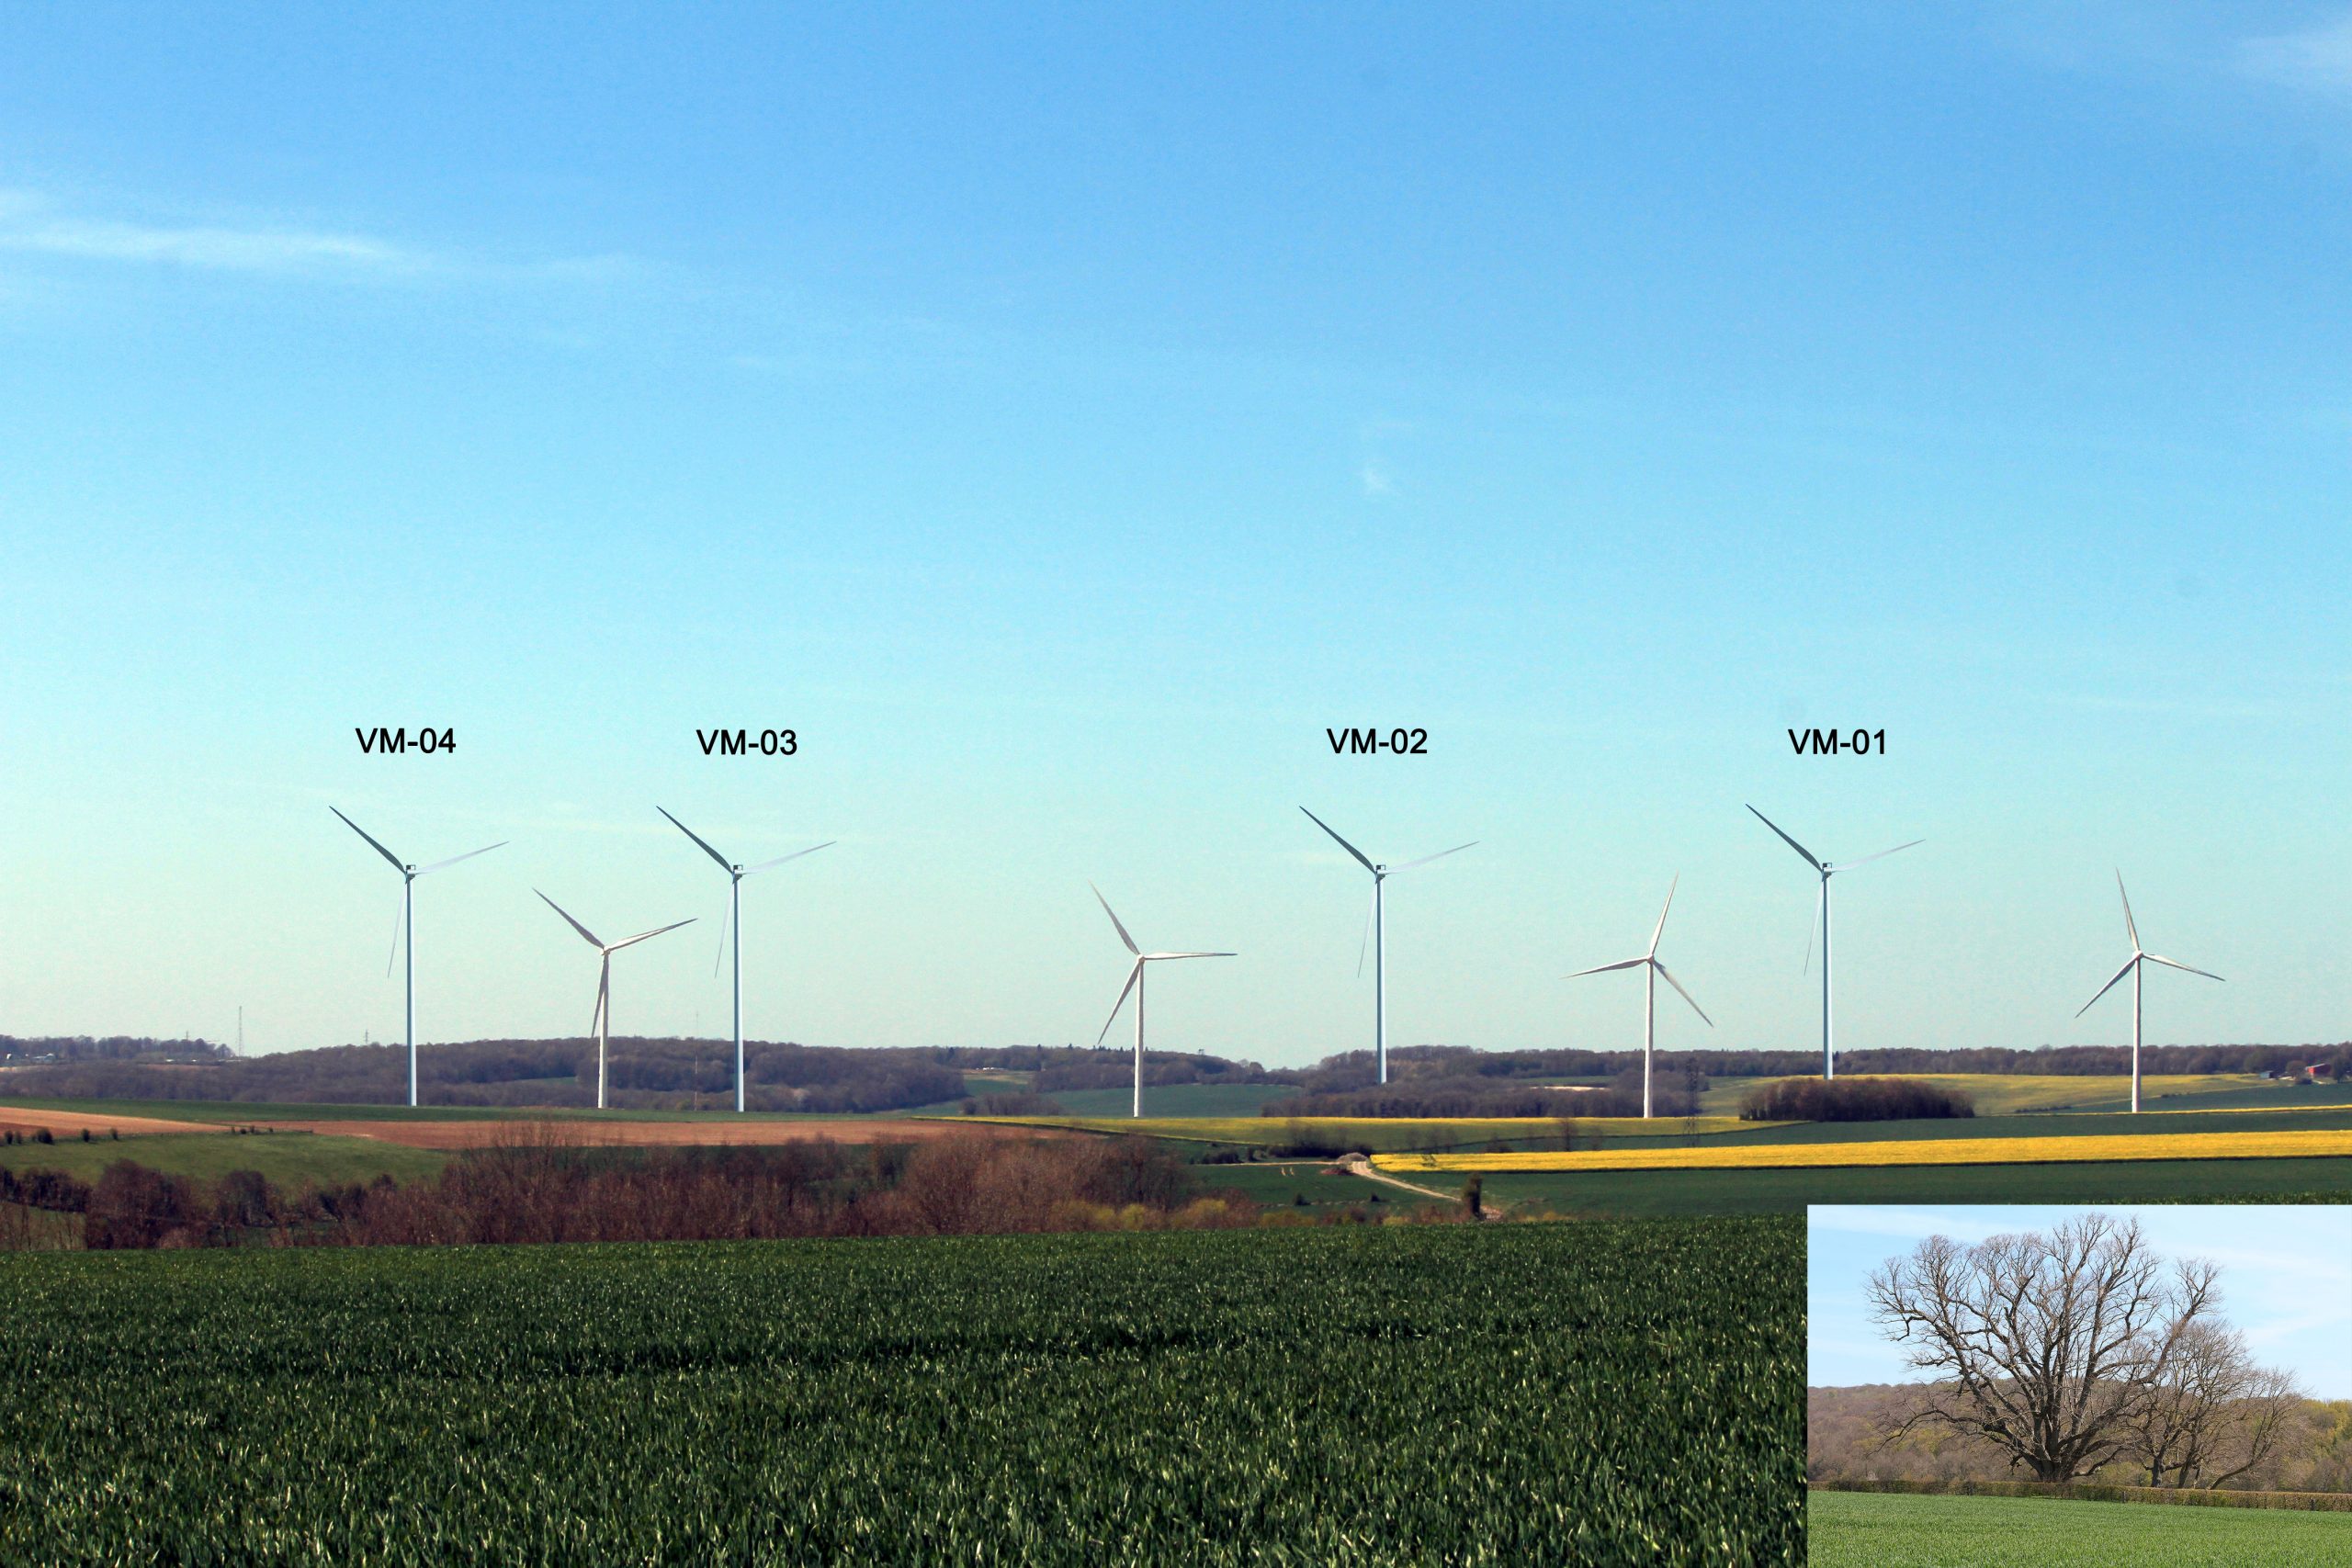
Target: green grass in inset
1858 1529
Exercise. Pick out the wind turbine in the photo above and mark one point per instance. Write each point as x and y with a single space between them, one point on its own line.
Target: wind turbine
1380 875
1648 960
604 951
406 936
1821 915
1135 984
735 876
2131 966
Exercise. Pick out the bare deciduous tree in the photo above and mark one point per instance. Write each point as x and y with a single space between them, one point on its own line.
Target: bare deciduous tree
2048 1346
2215 1414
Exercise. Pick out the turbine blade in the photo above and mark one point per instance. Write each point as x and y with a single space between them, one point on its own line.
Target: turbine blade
1851 865
1786 840
443 865
576 925
2108 986
1605 968
1342 842
772 864
724 864
2182 967
1426 859
1363 943
725 915
632 941
1115 925
1150 957
1685 995
603 988
2130 926
1134 970
1815 929
1661 914
395 952
379 849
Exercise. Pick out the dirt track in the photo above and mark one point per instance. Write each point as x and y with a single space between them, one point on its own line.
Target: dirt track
21 1118
484 1133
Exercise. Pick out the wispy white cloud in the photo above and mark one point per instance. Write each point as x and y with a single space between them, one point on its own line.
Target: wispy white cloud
1374 476
2317 58
28 223
33 224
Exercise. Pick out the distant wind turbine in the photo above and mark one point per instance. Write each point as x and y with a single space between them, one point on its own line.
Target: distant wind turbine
405 935
604 952
1135 984
1821 919
2131 966
1648 962
735 876
1379 935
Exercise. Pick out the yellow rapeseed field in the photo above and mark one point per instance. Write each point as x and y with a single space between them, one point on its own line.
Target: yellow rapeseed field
2269 1144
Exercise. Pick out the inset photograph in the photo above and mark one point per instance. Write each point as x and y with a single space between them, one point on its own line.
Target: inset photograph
1991 1386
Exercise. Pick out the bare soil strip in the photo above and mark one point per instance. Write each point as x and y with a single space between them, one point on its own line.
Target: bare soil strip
24 1119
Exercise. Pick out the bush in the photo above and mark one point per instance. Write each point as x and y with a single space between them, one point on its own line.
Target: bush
1853 1099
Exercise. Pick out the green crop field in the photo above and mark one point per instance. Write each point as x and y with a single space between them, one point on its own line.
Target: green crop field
1641 1193
292 1160
1274 1185
1495 1394
1174 1100
1857 1529
2004 1094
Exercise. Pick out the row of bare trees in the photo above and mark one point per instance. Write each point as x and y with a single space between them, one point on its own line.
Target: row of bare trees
2080 1347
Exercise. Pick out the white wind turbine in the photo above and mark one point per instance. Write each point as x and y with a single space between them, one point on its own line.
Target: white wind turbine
405 936
1648 962
1379 936
1821 919
1135 984
604 952
735 876
2132 967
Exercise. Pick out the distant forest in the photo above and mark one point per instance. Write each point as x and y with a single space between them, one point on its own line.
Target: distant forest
671 1074
649 1074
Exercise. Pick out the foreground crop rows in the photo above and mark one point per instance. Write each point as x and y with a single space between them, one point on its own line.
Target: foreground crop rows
1593 1393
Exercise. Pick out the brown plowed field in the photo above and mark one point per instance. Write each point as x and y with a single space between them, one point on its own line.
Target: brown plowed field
22 1119
484 1133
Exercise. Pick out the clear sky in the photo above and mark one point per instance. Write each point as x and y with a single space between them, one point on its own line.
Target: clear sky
1059 417
2286 1279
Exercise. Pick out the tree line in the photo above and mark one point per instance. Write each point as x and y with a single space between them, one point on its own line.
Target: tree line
542 1185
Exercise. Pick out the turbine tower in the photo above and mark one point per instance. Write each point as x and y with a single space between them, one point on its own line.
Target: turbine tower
1379 936
1648 960
1135 984
1821 917
735 876
406 934
2132 967
604 952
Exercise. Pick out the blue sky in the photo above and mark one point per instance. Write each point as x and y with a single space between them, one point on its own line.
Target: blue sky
2286 1279
1060 417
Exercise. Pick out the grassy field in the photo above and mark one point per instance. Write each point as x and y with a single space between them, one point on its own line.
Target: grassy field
1500 1396
1372 1134
1273 1185
1854 1529
2267 1142
1174 1100
292 1160
1643 1192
